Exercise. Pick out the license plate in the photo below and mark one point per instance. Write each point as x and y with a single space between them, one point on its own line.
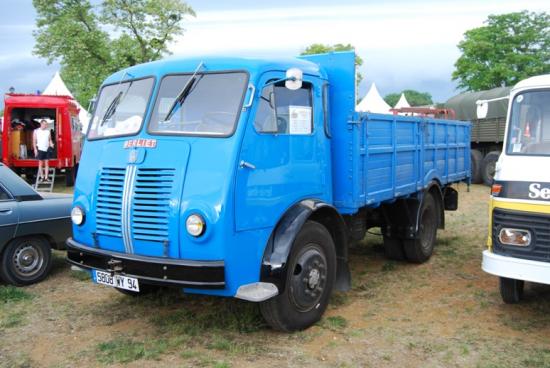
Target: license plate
118 281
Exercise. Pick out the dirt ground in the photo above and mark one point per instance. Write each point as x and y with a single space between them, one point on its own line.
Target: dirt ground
445 313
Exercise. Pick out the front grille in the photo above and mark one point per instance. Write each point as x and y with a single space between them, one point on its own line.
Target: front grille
538 224
151 204
109 201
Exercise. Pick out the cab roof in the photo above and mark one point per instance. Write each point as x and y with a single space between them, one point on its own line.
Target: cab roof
188 65
28 100
534 82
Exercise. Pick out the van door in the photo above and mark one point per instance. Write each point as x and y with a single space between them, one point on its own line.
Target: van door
284 155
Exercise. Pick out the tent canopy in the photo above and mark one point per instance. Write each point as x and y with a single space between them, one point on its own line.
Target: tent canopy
373 102
465 106
57 87
402 102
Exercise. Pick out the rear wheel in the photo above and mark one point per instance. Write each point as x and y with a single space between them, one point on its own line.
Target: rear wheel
488 167
310 275
70 176
393 248
420 249
511 290
26 261
476 160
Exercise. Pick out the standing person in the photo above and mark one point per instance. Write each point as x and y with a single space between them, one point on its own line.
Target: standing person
42 140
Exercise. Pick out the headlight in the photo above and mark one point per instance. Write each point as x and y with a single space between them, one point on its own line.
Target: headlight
517 237
195 225
77 215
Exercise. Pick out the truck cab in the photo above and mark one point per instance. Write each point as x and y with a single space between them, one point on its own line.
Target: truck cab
247 178
519 226
22 115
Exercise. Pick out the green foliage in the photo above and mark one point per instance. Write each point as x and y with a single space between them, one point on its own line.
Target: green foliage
415 98
319 48
123 350
508 48
74 32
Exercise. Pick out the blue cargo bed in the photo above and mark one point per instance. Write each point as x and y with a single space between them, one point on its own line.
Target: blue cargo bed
393 156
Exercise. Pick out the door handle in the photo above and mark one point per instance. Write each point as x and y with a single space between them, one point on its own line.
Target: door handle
248 165
5 211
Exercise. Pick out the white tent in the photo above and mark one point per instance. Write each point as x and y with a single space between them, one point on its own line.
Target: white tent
373 102
57 87
402 102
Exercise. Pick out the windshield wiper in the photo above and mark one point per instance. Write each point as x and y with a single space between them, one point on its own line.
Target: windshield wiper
185 91
111 109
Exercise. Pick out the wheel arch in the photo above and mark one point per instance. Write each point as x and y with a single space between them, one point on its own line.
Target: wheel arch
282 238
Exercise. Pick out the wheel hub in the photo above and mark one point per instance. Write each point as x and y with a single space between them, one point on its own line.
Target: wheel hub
308 279
313 278
27 260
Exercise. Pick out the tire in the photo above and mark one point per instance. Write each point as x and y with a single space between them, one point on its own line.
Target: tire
488 167
70 176
393 248
420 249
476 159
511 290
26 261
310 276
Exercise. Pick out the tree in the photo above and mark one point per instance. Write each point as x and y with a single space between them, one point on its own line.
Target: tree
509 48
319 48
75 33
415 98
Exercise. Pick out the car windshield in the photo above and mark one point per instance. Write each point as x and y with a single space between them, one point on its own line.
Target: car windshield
120 109
207 105
529 131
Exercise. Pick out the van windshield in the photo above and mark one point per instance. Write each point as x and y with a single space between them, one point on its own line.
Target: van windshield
120 109
206 105
529 131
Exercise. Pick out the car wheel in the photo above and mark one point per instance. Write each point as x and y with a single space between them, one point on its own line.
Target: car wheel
476 159
420 249
26 261
310 275
488 167
511 290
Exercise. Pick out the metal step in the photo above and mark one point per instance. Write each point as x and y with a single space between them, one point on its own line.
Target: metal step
45 186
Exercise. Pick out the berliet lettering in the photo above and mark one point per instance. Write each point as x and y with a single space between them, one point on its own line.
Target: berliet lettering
536 192
141 142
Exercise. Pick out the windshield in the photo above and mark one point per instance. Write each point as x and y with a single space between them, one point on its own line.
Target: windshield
529 131
208 105
120 109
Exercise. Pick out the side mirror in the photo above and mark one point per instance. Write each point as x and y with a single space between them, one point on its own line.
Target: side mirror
482 108
293 79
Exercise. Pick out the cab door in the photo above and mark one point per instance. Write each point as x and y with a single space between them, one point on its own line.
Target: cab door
284 154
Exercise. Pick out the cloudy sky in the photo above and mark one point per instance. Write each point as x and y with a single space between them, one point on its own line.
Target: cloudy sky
404 44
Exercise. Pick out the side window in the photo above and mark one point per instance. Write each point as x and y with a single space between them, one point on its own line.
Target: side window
283 111
4 196
326 110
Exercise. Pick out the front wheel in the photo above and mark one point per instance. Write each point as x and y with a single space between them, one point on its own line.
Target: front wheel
26 261
511 290
310 275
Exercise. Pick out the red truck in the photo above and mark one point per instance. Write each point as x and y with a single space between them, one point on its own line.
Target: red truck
22 114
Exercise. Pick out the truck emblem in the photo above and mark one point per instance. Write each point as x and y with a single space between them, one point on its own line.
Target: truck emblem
132 158
141 142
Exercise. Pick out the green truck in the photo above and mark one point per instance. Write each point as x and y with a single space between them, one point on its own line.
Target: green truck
487 134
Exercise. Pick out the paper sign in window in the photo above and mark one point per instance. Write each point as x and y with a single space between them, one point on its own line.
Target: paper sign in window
300 119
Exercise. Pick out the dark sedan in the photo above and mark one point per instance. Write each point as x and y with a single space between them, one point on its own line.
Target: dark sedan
31 224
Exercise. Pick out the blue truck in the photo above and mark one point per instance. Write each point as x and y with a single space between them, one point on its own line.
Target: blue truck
249 178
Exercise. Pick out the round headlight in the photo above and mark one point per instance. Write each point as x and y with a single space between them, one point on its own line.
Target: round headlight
77 215
195 225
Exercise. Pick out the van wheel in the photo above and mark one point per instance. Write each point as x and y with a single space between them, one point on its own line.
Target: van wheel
70 176
488 167
310 275
476 159
420 249
26 261
393 248
511 290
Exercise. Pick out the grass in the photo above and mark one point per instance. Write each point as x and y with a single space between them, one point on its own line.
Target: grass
124 350
334 323
13 319
11 294
80 275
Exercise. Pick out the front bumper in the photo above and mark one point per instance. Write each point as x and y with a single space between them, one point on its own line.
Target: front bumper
159 271
516 268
